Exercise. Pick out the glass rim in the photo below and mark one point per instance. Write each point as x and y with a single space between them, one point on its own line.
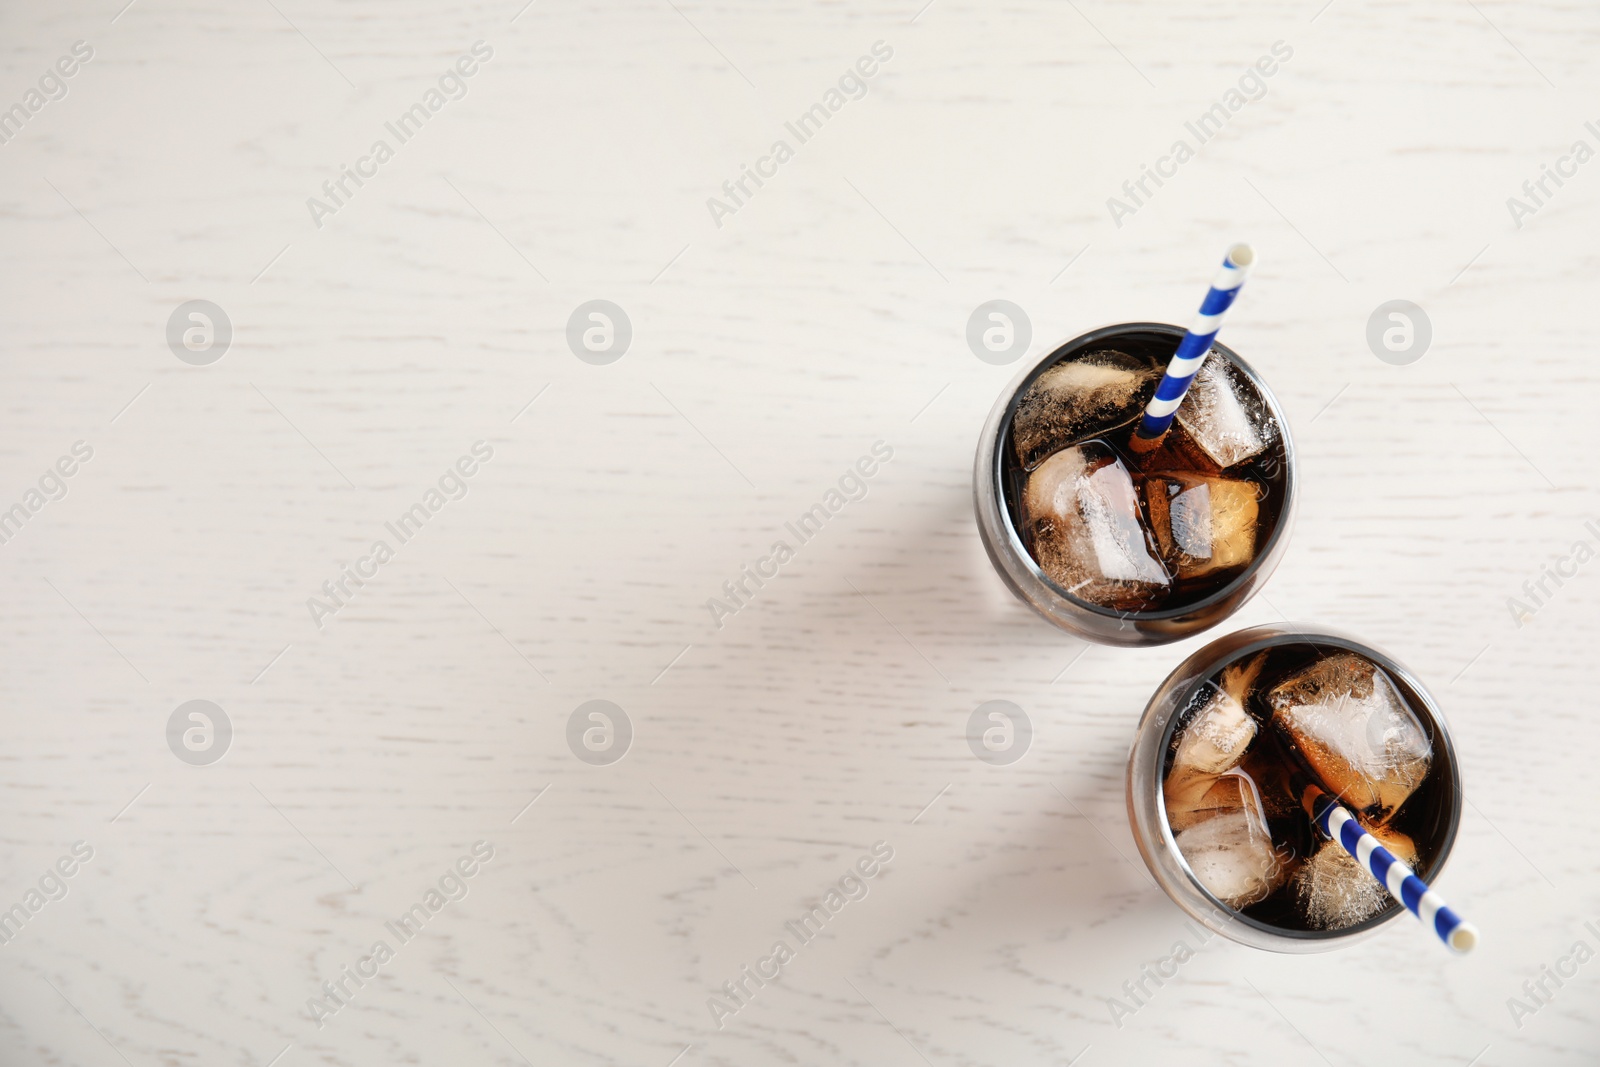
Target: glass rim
1014 537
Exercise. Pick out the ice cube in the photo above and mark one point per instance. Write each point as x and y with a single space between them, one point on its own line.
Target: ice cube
1081 516
1214 739
1222 416
1202 524
1335 891
1347 721
1078 399
1193 798
1231 853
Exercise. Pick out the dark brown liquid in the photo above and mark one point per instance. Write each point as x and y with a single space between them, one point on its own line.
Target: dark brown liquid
1271 762
1267 470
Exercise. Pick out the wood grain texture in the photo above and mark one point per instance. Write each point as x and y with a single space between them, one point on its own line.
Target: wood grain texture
768 353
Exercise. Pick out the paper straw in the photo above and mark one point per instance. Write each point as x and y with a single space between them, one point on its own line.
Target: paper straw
1193 349
1402 883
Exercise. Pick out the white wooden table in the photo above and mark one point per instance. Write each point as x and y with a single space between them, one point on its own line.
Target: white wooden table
773 342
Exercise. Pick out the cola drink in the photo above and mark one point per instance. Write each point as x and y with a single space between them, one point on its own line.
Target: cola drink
1134 547
1224 757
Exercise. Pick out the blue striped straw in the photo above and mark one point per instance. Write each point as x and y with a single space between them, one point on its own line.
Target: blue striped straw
1402 883
1193 349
